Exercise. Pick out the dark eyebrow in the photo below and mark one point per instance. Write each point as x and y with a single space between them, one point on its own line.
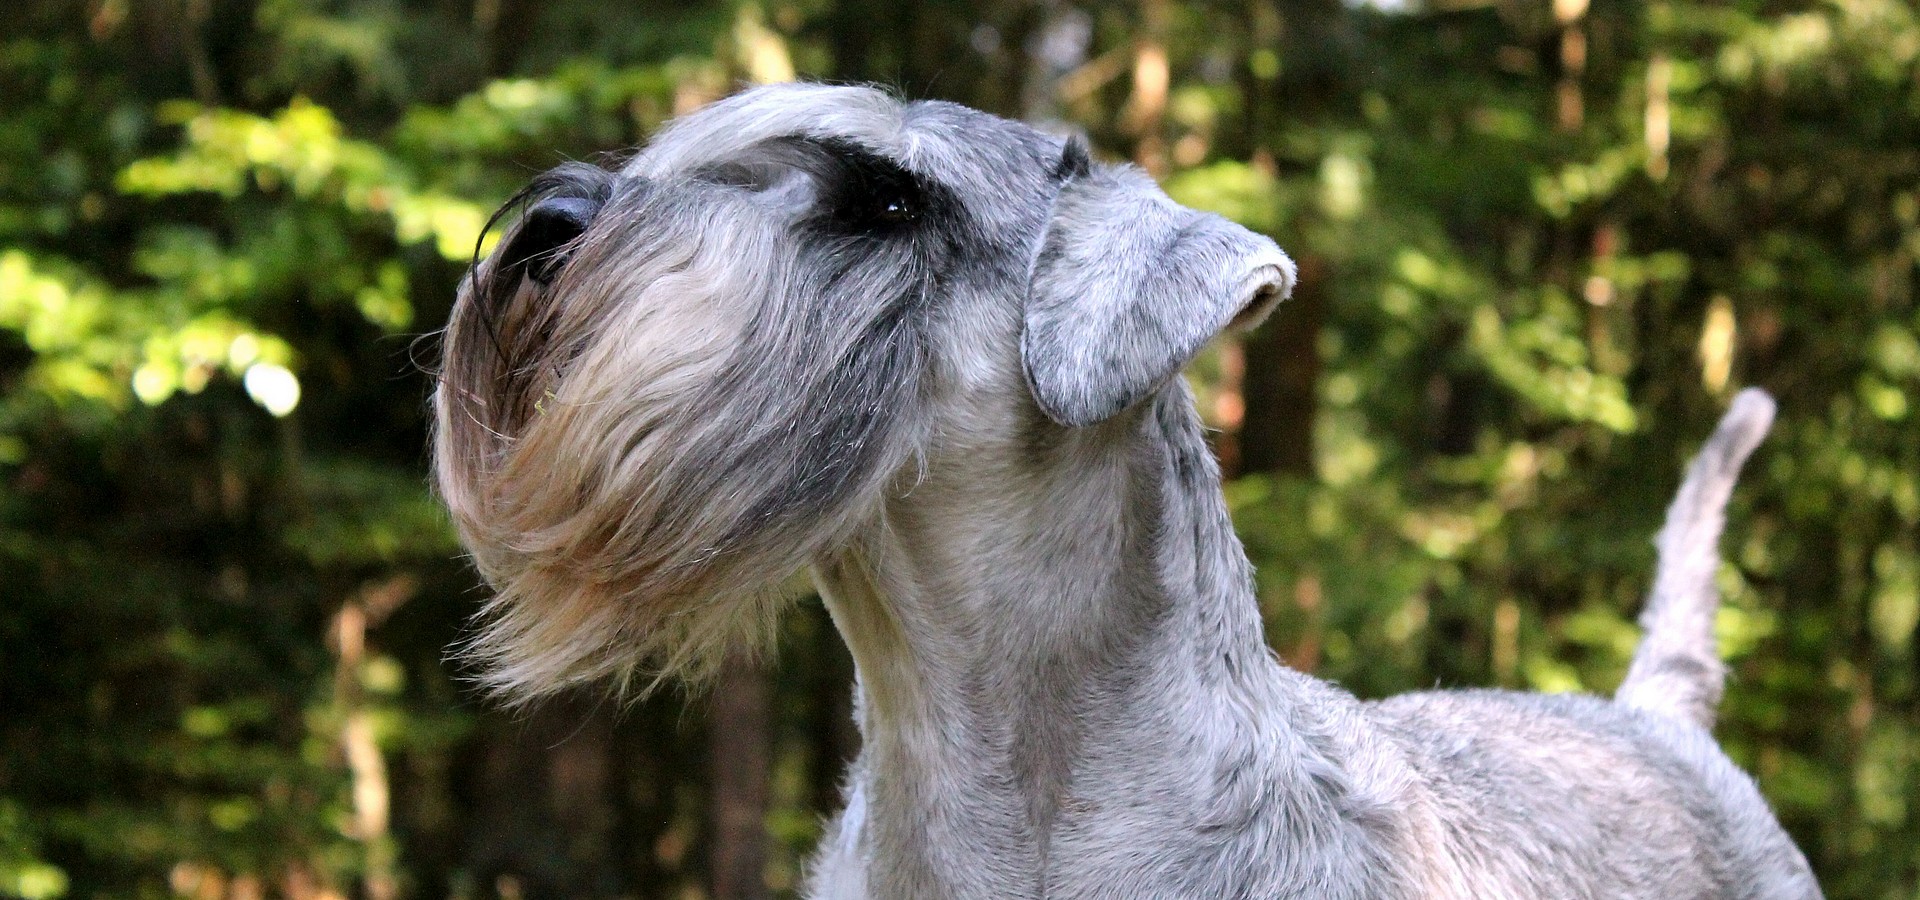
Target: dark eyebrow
831 159
863 191
862 164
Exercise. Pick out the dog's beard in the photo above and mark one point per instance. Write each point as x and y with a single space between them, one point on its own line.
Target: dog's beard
638 454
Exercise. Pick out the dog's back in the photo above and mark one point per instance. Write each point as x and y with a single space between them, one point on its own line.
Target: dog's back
1573 796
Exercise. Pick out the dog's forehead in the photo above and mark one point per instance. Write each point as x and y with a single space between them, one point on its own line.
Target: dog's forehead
937 138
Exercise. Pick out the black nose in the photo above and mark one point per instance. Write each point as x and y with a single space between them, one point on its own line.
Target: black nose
546 233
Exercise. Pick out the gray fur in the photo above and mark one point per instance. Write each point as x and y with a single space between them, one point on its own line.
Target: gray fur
1676 670
933 354
1128 285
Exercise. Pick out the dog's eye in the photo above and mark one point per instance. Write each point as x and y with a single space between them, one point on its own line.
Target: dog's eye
897 209
877 208
861 192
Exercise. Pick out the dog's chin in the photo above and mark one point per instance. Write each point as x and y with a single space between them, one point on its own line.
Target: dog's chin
654 568
633 543
548 630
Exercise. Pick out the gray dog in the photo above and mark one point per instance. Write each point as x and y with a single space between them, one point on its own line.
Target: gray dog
932 354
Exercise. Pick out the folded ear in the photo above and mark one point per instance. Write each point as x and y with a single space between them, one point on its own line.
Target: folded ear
1127 287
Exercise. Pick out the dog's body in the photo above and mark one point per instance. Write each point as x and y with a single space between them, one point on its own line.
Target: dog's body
933 354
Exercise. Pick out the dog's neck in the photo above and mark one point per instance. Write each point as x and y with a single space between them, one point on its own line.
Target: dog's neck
1059 648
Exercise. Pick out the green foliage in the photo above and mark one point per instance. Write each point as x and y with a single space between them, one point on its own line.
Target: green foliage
1533 275
23 873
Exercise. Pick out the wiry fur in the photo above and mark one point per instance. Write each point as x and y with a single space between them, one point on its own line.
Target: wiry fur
932 353
624 470
1676 670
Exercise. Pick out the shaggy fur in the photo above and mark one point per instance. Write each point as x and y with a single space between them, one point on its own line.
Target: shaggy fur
932 356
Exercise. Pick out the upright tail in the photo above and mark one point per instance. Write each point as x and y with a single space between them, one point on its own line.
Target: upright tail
1676 670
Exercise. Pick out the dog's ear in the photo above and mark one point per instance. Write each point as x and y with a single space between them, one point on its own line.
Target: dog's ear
1128 285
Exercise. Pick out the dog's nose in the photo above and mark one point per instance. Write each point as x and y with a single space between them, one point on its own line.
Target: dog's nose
548 228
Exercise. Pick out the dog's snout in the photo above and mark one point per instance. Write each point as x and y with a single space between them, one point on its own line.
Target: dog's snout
749 176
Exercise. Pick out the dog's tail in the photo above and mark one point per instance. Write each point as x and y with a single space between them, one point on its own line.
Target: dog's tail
1676 670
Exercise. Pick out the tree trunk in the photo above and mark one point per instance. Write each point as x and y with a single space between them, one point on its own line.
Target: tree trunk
546 816
739 757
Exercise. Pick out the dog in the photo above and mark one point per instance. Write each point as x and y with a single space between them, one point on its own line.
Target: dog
933 356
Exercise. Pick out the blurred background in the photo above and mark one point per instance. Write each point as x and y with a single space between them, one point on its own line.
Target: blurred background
1542 244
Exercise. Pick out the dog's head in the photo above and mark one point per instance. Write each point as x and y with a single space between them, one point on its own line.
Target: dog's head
669 386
